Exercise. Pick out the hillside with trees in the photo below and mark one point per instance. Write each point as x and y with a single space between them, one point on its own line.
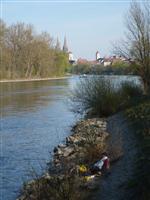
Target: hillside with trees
26 54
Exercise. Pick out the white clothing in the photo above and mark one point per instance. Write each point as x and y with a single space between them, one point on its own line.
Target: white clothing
100 163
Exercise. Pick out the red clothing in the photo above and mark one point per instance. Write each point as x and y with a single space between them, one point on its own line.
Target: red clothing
106 164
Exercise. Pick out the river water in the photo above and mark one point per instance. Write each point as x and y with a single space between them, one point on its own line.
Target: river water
35 117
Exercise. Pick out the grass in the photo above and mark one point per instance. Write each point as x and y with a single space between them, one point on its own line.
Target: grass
100 97
139 115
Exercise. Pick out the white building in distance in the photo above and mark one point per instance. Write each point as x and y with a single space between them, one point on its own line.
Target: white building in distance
97 56
71 57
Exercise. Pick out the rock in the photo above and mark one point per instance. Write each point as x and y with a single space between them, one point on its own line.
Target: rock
62 145
23 197
56 161
55 150
47 176
71 139
75 139
68 151
58 151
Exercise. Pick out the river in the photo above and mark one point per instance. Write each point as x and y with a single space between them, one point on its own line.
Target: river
35 117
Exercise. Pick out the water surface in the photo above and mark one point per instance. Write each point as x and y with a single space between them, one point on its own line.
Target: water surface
35 117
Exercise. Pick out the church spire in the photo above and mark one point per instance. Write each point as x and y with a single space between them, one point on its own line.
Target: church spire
57 46
65 47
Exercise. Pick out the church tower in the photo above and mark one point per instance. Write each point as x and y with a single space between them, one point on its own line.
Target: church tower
97 56
65 47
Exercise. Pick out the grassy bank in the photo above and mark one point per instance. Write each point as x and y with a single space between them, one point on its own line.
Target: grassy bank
139 117
33 79
99 97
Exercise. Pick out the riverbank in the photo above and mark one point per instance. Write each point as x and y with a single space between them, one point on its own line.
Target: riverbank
89 138
114 186
34 79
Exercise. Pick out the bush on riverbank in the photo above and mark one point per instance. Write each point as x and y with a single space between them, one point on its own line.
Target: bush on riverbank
139 116
98 96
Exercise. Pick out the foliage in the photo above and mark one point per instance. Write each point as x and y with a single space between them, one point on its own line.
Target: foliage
26 54
122 68
99 96
140 114
120 64
55 187
81 69
118 68
140 118
136 46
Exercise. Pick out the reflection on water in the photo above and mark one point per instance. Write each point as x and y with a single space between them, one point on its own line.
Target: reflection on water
28 96
34 118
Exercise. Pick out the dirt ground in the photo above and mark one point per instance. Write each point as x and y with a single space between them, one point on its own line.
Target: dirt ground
112 186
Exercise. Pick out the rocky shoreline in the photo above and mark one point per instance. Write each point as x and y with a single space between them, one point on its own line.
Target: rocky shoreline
88 139
86 132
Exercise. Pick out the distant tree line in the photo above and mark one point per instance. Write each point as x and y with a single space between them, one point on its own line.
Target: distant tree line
26 54
119 68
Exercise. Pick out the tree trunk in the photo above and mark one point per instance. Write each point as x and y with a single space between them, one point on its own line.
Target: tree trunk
27 72
146 86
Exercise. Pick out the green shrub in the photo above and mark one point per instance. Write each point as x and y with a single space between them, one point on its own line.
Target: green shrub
139 115
130 89
80 69
98 96
131 94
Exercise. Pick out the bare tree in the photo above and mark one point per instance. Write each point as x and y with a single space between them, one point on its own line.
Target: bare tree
136 46
26 54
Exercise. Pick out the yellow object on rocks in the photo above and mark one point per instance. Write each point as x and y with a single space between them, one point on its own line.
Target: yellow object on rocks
83 169
88 178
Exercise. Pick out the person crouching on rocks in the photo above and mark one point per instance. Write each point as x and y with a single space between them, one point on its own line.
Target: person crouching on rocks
102 166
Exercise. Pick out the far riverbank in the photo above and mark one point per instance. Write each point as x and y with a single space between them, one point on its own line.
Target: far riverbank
33 79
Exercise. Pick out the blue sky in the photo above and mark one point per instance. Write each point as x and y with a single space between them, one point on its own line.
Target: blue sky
89 26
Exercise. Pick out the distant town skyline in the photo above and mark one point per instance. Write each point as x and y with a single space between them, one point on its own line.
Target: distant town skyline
88 26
